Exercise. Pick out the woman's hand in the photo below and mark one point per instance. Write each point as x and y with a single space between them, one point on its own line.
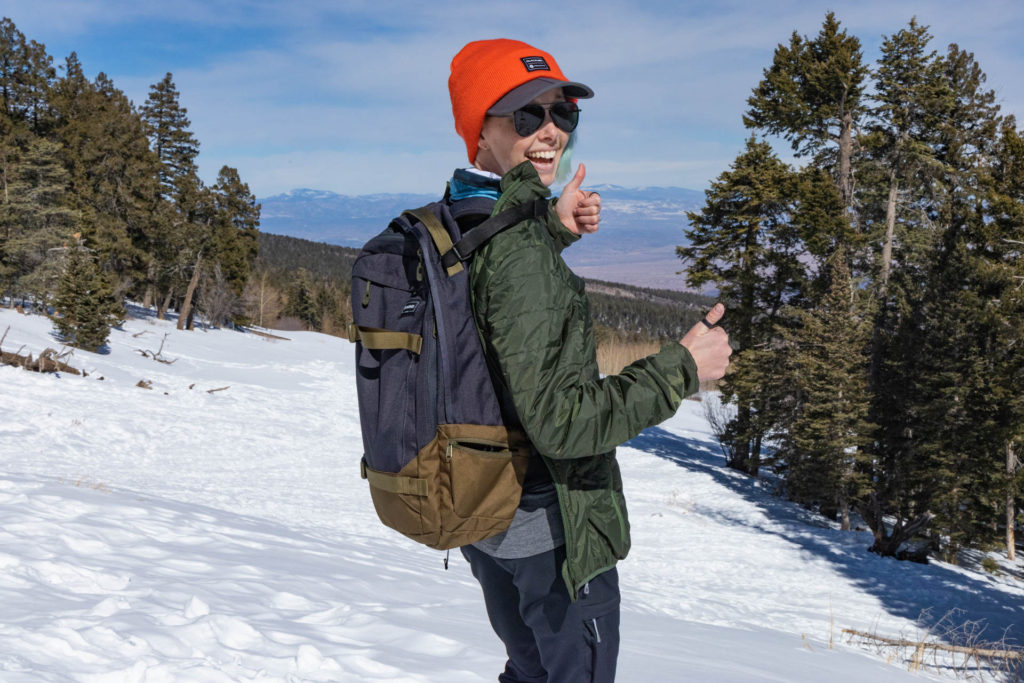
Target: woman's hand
579 211
709 345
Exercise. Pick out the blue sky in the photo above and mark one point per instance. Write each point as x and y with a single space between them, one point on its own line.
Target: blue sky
351 96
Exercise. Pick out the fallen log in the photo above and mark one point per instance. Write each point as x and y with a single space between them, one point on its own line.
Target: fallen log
50 360
920 646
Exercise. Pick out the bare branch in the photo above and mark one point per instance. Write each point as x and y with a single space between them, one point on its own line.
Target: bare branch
158 354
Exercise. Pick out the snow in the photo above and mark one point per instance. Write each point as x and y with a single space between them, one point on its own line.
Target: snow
177 534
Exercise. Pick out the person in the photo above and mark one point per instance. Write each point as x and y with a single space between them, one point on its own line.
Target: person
549 582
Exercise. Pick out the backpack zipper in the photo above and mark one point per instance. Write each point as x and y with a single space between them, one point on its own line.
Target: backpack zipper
475 445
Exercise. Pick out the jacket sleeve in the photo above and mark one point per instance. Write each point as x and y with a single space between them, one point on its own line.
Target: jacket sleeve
533 332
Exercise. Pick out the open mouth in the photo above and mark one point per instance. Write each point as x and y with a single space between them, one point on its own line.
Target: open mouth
542 157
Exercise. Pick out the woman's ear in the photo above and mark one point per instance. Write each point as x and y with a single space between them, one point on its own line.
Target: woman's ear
484 158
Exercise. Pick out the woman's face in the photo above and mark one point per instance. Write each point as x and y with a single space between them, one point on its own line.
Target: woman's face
501 149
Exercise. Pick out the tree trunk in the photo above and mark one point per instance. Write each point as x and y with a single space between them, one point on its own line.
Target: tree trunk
185 318
263 296
845 157
888 544
754 459
740 440
844 513
147 298
1011 467
161 310
890 228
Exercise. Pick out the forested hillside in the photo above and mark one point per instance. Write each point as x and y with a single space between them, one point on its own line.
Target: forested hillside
876 292
101 200
316 276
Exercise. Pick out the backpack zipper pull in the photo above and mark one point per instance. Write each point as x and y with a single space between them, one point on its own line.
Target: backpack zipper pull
366 295
419 266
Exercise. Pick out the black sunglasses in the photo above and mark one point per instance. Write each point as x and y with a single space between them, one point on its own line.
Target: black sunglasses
528 119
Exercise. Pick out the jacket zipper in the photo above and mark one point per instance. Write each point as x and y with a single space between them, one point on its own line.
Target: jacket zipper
570 542
615 500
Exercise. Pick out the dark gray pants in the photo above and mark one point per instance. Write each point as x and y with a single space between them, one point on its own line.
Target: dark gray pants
549 638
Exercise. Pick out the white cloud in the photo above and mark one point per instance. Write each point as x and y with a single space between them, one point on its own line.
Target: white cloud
310 86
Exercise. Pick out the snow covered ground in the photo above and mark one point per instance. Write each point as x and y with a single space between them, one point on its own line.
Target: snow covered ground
174 534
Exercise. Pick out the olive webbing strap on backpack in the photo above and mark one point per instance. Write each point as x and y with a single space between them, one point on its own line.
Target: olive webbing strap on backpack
441 466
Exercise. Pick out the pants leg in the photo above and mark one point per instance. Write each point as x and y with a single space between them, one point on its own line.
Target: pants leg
549 638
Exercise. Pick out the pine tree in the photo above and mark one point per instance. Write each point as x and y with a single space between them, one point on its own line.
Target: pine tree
1007 212
112 171
908 93
824 447
34 218
301 301
86 307
236 228
897 208
959 423
172 141
812 95
182 213
26 74
745 242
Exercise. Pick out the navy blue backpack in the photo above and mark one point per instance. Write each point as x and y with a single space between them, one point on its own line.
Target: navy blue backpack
441 466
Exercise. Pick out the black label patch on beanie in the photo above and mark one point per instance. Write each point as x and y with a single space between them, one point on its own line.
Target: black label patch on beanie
535 64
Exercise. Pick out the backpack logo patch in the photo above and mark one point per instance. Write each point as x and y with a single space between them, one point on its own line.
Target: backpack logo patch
535 64
410 307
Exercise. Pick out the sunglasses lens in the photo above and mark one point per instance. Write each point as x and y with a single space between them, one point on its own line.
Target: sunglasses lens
566 116
528 119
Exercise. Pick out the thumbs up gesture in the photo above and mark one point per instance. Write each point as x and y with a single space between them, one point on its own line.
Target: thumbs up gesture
579 211
709 345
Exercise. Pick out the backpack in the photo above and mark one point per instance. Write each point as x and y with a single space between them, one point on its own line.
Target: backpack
441 465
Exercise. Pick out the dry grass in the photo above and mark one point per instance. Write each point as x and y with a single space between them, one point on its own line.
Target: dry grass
613 355
951 648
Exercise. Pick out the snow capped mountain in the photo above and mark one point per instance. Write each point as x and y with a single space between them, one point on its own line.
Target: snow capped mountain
323 216
640 227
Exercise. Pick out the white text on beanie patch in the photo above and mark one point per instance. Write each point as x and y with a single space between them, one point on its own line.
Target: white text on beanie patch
535 64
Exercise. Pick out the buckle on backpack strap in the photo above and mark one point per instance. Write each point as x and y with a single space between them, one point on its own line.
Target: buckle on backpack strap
452 257
394 483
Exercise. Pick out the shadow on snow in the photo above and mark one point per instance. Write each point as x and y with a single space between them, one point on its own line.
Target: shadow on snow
923 594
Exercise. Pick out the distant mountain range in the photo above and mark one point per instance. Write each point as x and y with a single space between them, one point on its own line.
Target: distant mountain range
640 227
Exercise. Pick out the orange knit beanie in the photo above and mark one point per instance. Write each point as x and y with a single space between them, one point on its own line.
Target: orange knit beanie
486 71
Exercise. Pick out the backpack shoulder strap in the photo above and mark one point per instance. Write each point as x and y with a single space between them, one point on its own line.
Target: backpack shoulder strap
476 237
438 233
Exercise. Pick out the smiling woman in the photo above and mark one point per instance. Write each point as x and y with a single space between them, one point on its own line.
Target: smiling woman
549 580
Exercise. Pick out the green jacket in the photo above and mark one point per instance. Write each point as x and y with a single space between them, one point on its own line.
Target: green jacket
534 321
